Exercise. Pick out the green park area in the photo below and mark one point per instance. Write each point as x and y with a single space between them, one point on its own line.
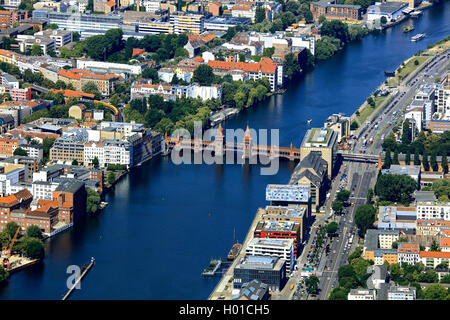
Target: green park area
368 109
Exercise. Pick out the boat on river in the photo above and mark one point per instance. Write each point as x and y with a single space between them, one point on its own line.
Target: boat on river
418 37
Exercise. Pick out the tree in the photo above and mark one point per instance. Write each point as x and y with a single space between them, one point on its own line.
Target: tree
343 195
312 284
36 50
92 201
332 227
395 159
111 178
416 157
11 228
354 125
383 20
335 29
355 254
395 188
74 162
364 218
337 206
260 14
34 248
91 87
115 100
20 152
429 276
369 199
291 66
339 293
95 162
435 292
426 164
433 161
204 75
322 19
444 162
408 157
34 231
387 159
435 246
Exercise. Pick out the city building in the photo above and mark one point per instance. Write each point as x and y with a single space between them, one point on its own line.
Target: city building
298 214
397 218
101 67
79 78
253 291
431 259
401 293
392 11
339 124
428 210
223 23
312 172
332 11
279 230
323 140
264 68
362 294
78 22
282 248
283 194
408 253
269 270
378 246
187 22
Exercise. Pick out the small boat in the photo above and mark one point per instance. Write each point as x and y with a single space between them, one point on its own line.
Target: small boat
102 205
418 37
309 121
235 249
408 29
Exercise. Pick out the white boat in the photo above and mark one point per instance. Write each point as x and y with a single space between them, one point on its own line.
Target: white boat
309 121
418 36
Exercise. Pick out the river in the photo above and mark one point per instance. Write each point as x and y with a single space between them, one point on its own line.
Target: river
164 222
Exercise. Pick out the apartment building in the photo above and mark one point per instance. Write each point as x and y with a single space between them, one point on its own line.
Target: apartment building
408 253
378 246
282 248
141 89
433 211
8 18
8 144
264 68
332 11
67 149
279 230
401 293
362 294
78 78
109 152
431 259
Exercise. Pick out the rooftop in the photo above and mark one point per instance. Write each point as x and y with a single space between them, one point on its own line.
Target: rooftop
289 193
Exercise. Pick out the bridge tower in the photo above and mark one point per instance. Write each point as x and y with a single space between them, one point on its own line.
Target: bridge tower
247 144
219 141
291 153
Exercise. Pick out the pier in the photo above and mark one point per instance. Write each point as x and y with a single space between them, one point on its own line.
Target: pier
83 274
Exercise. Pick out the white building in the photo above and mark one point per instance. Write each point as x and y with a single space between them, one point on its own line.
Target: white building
401 293
362 294
392 11
151 6
110 67
433 211
408 253
43 190
33 150
109 152
282 248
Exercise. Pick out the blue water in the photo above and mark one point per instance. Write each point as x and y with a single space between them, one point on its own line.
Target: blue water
164 222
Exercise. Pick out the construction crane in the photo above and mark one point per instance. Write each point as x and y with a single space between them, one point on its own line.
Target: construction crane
7 251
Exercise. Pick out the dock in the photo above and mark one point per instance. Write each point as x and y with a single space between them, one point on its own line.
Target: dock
83 274
211 269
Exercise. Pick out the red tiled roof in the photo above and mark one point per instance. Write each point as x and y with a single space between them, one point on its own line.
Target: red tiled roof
435 254
265 65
